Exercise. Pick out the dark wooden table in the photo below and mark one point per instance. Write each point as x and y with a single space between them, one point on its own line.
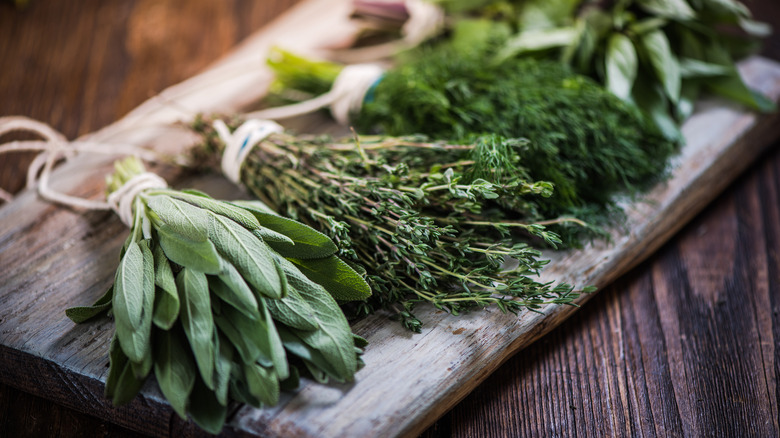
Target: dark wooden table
685 344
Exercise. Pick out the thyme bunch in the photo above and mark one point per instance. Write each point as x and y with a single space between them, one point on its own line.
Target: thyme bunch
426 222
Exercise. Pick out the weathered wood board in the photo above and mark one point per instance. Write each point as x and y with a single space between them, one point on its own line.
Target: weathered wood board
51 258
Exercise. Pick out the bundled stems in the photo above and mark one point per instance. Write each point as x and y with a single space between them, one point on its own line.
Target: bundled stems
415 216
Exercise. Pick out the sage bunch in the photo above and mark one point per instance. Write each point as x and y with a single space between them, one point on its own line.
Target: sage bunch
428 222
223 301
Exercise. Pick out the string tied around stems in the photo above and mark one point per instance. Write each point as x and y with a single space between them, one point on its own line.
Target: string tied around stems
345 97
239 144
56 146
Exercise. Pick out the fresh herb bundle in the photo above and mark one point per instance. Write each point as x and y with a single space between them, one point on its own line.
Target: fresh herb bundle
588 143
659 55
223 301
429 222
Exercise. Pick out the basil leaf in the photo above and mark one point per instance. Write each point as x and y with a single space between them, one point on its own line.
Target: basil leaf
200 255
85 313
222 208
250 255
197 320
121 384
132 305
178 217
262 384
536 40
654 104
174 368
205 409
676 9
621 66
664 64
692 68
166 300
340 280
306 241
231 288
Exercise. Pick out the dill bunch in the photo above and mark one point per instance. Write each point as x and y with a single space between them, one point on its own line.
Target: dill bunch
588 143
417 218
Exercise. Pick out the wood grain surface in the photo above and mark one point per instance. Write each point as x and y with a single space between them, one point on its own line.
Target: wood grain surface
684 345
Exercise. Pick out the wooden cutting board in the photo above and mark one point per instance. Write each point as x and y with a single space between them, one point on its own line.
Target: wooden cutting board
51 258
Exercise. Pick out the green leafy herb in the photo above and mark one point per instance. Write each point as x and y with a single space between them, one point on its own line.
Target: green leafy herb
426 222
192 303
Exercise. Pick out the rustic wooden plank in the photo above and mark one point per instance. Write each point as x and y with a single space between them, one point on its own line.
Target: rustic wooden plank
684 345
81 239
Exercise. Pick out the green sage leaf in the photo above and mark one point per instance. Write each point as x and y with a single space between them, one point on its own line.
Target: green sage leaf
85 313
250 255
293 310
231 288
338 278
222 208
166 300
121 384
621 66
223 361
197 320
205 409
262 383
306 241
200 255
174 368
133 302
179 217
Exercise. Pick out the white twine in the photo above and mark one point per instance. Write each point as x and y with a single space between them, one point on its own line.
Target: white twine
55 147
344 98
239 144
121 200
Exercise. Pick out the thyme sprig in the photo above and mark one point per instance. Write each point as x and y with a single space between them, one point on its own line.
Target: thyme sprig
429 222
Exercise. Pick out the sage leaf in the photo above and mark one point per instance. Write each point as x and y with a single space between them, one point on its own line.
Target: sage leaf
293 310
262 384
535 41
338 278
231 288
310 355
222 208
664 64
197 320
132 305
333 339
200 255
223 360
205 410
179 217
81 314
166 300
239 390
250 255
306 241
621 66
249 336
174 368
121 384
269 235
276 348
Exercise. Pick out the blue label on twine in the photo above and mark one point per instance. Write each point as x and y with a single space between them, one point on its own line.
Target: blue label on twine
369 97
